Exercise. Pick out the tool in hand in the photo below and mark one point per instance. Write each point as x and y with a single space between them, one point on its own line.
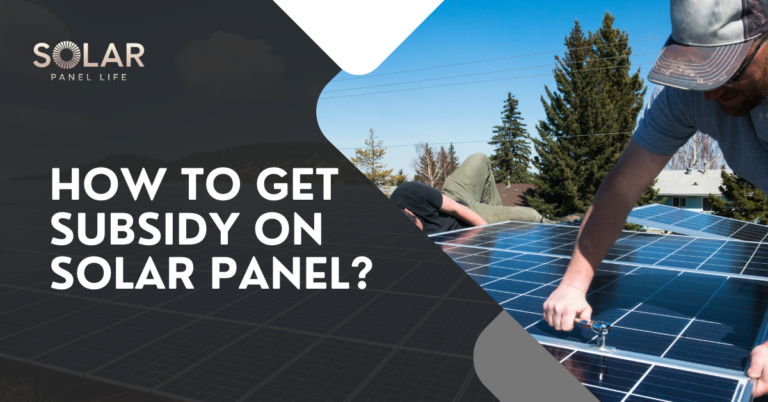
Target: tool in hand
602 329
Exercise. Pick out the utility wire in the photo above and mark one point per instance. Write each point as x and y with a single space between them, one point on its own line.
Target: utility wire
487 60
482 73
475 142
470 82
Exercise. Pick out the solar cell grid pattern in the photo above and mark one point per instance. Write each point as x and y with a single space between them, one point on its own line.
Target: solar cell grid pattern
669 298
725 257
698 224
236 345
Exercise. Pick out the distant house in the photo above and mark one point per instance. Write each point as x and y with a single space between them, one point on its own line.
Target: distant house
689 189
513 195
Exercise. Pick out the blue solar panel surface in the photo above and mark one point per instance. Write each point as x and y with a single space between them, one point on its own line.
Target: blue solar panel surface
612 379
725 257
683 305
698 224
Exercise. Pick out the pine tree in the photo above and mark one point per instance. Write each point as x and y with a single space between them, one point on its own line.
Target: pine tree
595 95
512 154
370 161
454 159
743 200
427 168
399 178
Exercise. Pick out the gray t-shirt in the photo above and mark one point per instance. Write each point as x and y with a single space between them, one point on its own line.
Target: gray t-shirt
673 115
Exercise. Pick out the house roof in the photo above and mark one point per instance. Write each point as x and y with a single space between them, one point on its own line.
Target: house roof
512 198
698 183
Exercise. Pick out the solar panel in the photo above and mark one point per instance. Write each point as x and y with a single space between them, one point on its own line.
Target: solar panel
697 224
417 314
679 253
684 316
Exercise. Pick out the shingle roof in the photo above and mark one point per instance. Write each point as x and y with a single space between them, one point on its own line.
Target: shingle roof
512 198
676 182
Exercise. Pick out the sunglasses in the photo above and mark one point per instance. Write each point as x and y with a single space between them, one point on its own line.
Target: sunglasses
732 82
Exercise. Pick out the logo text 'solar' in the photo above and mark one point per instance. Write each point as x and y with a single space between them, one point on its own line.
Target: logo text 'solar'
67 55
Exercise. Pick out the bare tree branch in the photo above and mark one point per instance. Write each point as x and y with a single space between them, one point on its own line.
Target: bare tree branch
701 152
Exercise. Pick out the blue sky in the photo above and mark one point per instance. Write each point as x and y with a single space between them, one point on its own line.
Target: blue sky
461 31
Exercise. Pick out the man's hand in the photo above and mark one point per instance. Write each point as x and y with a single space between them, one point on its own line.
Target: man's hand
758 369
565 304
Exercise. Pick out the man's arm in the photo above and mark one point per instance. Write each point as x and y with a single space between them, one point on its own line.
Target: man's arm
602 224
457 210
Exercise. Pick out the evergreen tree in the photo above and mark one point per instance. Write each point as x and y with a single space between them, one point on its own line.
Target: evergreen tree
443 166
399 178
743 200
512 154
453 158
595 95
370 161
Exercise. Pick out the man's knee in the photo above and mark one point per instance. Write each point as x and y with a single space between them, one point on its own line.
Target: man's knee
478 158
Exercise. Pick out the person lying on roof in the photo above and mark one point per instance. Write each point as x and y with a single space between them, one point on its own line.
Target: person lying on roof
469 198
712 76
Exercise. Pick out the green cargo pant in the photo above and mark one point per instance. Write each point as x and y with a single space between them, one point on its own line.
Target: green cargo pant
472 184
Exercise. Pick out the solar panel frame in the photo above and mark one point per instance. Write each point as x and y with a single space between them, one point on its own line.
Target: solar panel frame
596 374
697 224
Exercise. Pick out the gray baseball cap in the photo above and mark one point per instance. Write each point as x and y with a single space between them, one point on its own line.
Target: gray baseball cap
710 39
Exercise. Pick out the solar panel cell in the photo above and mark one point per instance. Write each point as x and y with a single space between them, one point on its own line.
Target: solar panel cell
262 305
524 318
444 375
669 384
710 353
597 370
61 330
38 313
467 290
323 317
13 299
443 331
315 377
653 323
512 286
435 280
110 343
156 363
398 313
230 373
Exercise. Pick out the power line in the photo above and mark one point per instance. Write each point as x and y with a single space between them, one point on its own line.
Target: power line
468 82
487 60
482 73
474 142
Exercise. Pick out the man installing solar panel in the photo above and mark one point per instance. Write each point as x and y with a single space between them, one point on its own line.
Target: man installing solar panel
713 77
469 198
